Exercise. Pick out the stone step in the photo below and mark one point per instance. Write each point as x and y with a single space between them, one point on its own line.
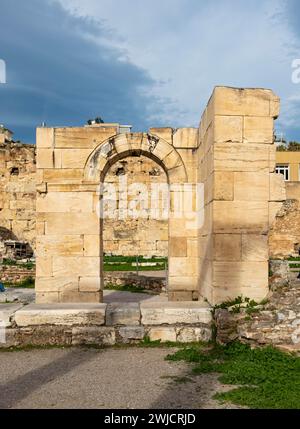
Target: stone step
152 313
173 313
61 315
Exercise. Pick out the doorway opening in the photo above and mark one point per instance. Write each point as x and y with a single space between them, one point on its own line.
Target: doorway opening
135 230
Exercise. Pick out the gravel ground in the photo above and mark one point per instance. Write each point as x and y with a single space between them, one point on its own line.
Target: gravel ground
127 378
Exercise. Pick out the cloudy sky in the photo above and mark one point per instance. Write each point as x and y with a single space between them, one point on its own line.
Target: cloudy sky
145 63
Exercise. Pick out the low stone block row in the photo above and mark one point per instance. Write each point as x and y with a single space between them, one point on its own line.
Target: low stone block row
107 324
102 335
133 314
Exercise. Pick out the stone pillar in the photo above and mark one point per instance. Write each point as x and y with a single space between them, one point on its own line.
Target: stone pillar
236 164
183 230
68 224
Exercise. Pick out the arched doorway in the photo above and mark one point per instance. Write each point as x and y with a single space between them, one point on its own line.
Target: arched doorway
135 228
115 150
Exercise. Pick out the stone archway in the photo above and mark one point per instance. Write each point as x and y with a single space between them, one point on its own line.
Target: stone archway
121 146
231 154
69 250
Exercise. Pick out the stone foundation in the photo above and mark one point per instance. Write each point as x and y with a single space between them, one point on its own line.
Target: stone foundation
106 324
277 323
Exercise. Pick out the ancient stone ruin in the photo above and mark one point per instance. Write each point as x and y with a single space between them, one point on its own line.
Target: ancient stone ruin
227 213
232 154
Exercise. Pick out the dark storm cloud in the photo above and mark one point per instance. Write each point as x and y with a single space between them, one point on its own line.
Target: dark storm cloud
57 72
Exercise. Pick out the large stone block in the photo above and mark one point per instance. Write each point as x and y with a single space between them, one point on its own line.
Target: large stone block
74 158
180 295
45 138
241 157
228 247
63 175
92 245
89 284
59 245
258 129
163 334
241 275
220 295
240 216
61 314
193 335
222 185
169 313
45 158
244 102
71 223
7 312
183 266
132 333
66 296
163 133
44 266
278 191
123 314
56 284
95 336
178 247
177 282
228 129
85 266
46 297
186 138
255 248
65 202
251 186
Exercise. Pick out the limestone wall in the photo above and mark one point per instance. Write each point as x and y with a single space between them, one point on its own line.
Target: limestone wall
17 192
285 232
135 236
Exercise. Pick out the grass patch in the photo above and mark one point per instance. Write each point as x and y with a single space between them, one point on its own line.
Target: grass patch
27 283
124 263
294 265
240 303
14 263
131 259
267 378
129 267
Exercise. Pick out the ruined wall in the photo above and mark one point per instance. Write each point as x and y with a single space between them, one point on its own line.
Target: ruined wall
135 236
17 193
285 233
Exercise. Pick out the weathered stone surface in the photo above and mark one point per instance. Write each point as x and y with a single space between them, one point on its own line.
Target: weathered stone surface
277 321
61 314
284 236
193 335
129 333
163 334
123 314
175 313
93 336
7 312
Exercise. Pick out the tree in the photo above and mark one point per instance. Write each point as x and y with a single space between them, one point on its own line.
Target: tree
97 120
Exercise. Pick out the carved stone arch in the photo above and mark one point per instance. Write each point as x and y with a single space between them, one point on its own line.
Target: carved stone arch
122 146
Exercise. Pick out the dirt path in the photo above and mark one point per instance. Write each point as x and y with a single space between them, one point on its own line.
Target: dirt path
112 378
